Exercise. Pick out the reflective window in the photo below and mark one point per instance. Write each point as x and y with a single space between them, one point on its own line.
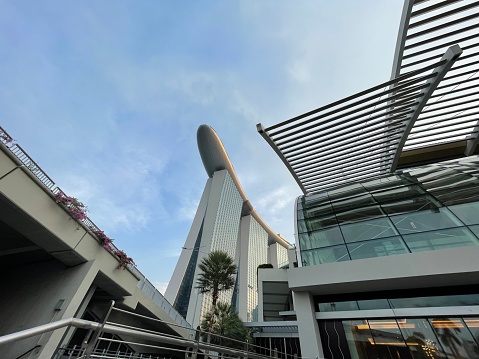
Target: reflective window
387 182
325 255
388 339
353 203
323 238
442 239
377 248
425 208
466 194
359 339
397 193
314 200
467 213
455 338
420 339
316 211
435 301
413 204
425 221
475 229
338 306
371 304
473 326
310 225
346 191
360 214
370 229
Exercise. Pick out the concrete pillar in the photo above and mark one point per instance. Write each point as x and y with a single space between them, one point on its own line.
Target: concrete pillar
307 325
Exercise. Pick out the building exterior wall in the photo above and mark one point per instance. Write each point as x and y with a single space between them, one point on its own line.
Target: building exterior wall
390 265
253 252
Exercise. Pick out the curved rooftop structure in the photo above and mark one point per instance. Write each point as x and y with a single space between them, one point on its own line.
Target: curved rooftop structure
215 158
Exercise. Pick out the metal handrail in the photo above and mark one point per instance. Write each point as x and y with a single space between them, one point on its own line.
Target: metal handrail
193 345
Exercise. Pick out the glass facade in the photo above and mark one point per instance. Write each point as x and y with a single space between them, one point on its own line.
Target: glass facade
421 209
401 338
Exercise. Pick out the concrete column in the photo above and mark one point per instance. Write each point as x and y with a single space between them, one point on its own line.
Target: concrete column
308 329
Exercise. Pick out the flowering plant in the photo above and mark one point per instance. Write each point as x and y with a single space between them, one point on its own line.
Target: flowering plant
124 259
104 239
6 137
76 208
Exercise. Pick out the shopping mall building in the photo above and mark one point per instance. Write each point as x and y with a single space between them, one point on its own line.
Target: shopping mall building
387 228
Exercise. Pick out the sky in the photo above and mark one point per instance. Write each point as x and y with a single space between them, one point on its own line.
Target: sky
106 96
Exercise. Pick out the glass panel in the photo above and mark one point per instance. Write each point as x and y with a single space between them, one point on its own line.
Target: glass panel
436 301
388 339
448 182
325 255
455 338
310 225
314 199
338 306
377 248
467 193
352 203
360 214
410 205
420 339
397 193
468 212
373 228
346 191
317 211
373 304
384 183
475 229
473 326
446 238
425 221
360 340
323 238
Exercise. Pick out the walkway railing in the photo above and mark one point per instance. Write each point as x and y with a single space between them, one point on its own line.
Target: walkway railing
100 336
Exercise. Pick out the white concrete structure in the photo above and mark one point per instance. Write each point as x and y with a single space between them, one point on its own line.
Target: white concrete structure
225 220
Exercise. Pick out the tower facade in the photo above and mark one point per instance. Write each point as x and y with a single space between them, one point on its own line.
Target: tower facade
226 221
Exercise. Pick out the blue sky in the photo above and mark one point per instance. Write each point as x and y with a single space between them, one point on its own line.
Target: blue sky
106 96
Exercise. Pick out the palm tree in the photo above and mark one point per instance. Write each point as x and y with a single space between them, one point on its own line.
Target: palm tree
217 275
227 327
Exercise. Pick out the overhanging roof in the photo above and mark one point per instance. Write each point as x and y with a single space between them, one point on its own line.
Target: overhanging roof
427 28
431 100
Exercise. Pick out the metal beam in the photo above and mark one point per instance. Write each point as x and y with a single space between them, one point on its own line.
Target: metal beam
473 141
260 128
401 39
450 57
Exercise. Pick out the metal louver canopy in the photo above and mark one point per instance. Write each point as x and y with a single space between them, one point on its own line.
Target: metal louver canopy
360 135
451 115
